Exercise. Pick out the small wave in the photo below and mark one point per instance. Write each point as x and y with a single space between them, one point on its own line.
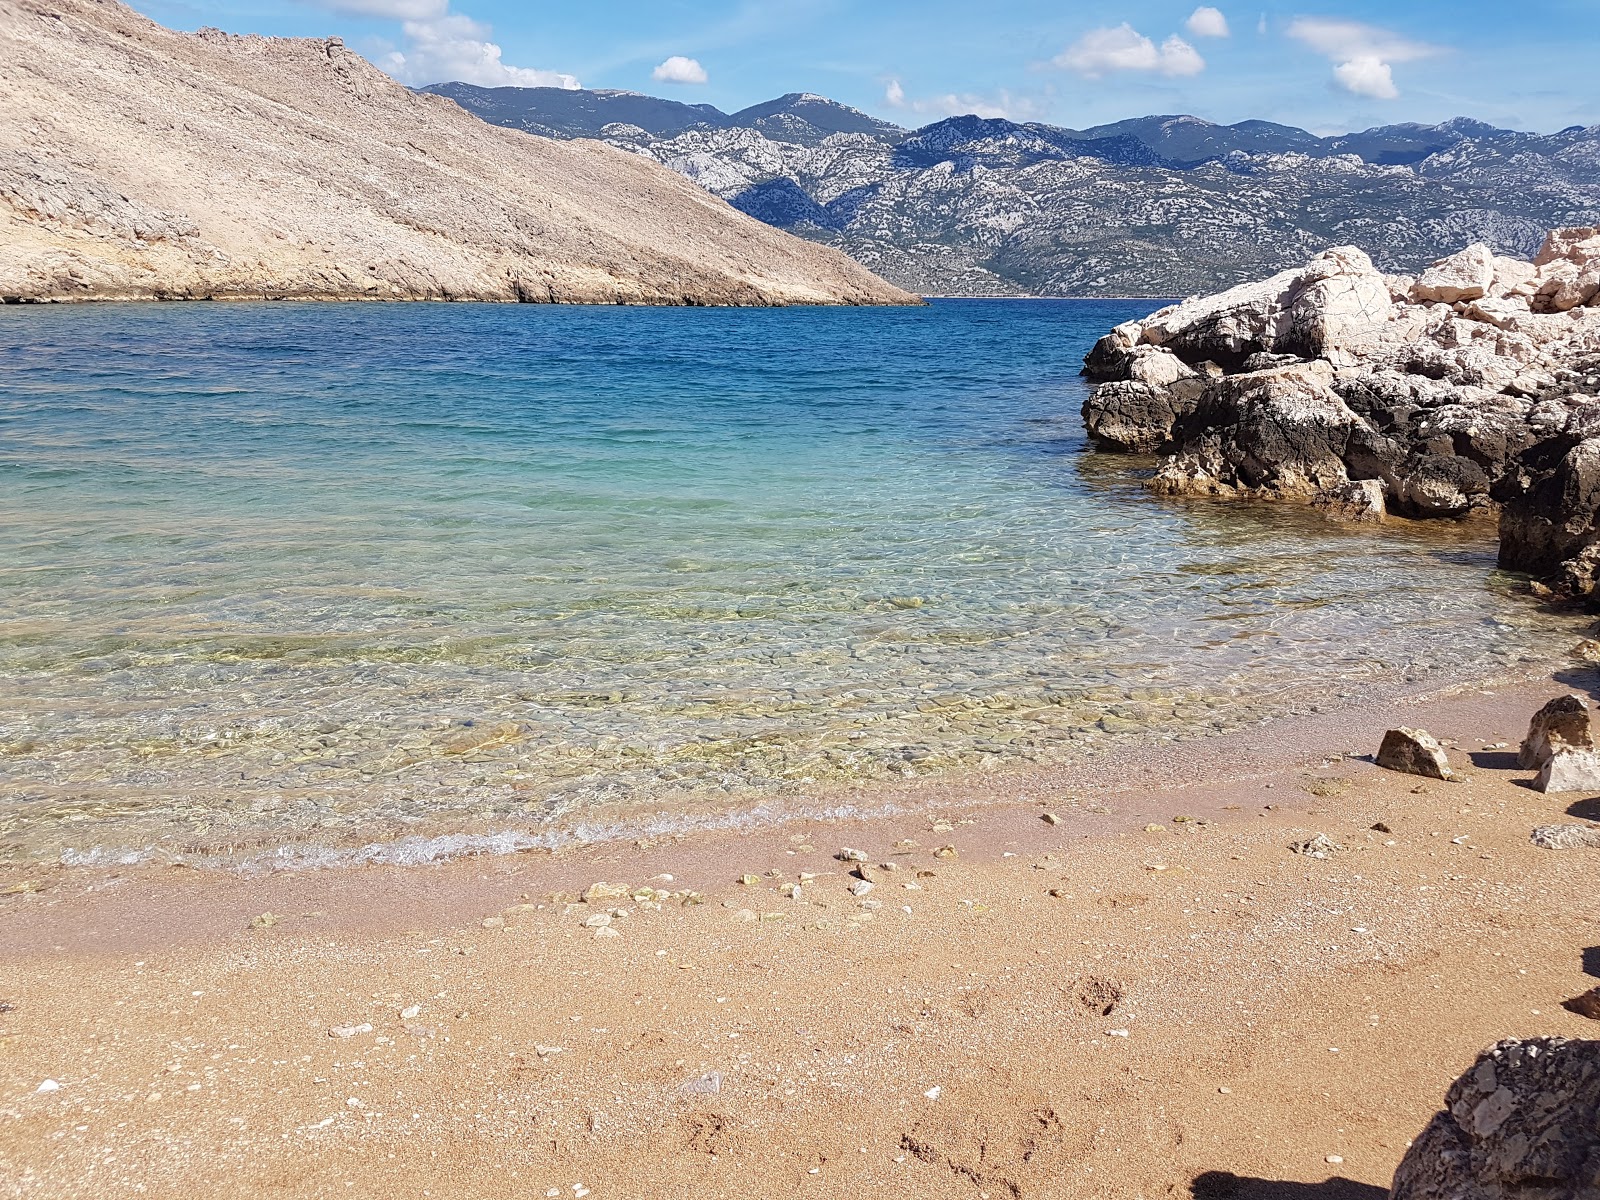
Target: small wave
101 857
419 851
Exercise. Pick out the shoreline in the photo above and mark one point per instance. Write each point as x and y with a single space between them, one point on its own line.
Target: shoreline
1154 759
1087 1008
1098 799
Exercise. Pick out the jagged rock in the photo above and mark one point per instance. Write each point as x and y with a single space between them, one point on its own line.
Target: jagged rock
1444 486
1332 302
1523 1122
1364 405
1574 245
1136 418
1546 531
1279 433
1563 722
1512 278
1465 275
1566 837
1413 752
1110 356
1503 313
1158 367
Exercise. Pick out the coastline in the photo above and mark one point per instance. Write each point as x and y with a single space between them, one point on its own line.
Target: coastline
704 1052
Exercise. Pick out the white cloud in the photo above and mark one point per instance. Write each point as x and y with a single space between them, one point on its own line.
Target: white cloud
960 104
1367 76
1363 55
1206 21
679 69
395 10
1124 48
443 46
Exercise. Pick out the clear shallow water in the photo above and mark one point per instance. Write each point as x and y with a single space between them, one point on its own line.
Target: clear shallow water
323 574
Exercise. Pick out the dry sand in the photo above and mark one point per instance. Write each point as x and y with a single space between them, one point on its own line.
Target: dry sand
1089 1008
137 162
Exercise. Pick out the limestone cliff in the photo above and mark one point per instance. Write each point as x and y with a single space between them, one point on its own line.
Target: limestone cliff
137 162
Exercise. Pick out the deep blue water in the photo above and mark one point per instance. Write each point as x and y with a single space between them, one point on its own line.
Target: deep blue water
322 573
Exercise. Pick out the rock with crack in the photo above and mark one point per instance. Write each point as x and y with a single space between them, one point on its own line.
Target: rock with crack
1273 434
1523 1122
1413 752
1465 275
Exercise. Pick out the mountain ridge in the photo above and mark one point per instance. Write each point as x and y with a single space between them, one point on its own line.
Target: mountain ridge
1151 206
1180 135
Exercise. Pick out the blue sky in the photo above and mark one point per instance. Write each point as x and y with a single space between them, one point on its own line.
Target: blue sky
1331 66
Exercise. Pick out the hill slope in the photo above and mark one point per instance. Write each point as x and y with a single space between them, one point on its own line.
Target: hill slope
138 162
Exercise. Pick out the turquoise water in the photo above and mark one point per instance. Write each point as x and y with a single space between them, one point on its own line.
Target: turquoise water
321 575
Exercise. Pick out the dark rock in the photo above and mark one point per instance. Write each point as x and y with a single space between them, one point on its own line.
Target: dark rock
1279 433
1551 531
1522 1124
1136 418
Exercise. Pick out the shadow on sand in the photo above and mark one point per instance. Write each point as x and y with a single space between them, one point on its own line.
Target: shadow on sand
1587 810
1224 1185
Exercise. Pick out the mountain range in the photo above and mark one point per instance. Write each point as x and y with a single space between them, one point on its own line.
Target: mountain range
1158 205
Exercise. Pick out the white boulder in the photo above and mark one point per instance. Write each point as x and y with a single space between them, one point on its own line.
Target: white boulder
1465 275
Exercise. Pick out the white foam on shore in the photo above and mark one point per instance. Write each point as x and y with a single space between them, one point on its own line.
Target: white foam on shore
419 851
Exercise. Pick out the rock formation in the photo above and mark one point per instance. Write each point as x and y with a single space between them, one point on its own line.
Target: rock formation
1523 1122
136 162
1474 387
1562 723
1413 752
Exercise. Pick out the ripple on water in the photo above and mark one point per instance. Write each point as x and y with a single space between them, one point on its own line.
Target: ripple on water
289 582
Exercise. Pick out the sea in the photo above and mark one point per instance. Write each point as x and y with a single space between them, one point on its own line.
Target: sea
296 585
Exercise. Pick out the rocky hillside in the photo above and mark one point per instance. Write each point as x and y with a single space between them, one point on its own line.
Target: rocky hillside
137 162
1151 206
1472 387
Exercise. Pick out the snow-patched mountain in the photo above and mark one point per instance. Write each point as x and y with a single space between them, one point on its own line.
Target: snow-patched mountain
1160 205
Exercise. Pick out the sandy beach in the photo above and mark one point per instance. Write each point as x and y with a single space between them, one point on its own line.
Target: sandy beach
1120 982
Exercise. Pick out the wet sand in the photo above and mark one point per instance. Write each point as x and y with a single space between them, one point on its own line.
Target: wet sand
1093 1007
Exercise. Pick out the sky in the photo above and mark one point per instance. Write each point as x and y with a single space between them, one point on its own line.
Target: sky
1332 66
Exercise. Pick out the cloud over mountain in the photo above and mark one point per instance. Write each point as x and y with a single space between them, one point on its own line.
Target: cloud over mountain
1123 48
679 69
1363 55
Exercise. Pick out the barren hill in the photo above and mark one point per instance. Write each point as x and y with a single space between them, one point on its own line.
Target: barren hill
137 162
